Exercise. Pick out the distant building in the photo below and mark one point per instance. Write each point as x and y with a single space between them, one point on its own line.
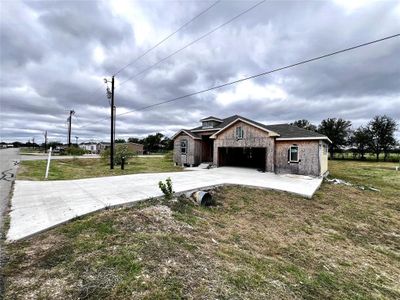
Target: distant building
103 146
97 148
91 147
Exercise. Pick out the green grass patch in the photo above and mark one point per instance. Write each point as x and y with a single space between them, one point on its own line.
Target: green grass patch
78 168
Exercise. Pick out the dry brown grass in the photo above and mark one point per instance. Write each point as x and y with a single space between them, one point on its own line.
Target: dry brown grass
255 244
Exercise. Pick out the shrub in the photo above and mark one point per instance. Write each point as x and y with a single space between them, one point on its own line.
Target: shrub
73 150
120 152
166 188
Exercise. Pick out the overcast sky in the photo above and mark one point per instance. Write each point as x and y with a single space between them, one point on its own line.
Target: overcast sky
55 54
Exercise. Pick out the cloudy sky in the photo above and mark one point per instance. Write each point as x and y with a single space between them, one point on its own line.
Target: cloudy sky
55 54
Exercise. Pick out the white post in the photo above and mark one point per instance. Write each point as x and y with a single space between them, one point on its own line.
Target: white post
48 163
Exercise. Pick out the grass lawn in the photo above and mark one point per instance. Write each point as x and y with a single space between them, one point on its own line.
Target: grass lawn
25 150
77 168
255 244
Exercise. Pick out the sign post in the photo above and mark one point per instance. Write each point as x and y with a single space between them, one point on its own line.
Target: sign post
48 163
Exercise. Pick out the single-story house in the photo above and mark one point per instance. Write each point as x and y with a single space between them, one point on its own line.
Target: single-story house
238 141
97 148
91 147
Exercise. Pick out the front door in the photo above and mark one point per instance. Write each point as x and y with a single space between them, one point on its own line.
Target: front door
207 149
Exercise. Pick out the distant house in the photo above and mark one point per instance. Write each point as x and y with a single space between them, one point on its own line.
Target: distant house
97 148
238 141
91 147
102 146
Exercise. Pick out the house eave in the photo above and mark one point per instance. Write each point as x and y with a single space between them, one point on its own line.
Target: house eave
211 119
304 138
202 130
186 132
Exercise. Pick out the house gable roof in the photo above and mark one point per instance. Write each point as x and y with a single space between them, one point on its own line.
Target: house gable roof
211 118
247 121
188 132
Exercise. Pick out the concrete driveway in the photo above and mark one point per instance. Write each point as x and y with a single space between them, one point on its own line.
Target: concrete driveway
40 205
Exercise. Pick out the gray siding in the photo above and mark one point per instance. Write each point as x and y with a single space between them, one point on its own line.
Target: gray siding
193 154
308 154
253 137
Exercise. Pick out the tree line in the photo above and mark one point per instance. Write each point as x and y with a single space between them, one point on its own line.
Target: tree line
377 136
152 143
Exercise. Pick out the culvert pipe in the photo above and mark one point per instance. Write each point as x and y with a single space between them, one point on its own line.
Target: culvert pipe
203 198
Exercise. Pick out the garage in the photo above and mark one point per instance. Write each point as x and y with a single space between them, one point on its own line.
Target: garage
242 157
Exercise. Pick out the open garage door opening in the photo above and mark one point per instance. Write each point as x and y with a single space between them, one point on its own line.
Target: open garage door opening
242 157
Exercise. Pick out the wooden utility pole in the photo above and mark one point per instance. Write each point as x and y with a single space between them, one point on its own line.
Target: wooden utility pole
45 141
71 113
112 125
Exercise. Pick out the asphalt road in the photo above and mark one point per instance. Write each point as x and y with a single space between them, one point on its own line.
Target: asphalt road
8 168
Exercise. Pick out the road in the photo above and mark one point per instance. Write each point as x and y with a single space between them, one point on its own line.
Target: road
8 167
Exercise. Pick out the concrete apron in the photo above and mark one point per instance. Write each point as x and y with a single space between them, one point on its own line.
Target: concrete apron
41 205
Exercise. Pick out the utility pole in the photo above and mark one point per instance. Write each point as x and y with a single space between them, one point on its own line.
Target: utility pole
45 141
112 125
110 95
71 113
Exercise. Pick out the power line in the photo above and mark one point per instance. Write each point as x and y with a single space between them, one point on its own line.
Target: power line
192 42
156 45
264 73
167 37
188 45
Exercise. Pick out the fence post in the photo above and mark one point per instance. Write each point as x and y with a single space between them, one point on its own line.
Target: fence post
48 163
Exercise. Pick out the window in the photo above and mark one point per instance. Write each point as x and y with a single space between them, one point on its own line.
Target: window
183 146
239 133
294 154
208 124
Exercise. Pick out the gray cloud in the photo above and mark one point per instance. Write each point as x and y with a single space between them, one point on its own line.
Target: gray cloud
54 55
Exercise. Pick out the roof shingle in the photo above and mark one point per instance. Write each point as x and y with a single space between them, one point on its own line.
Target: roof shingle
284 130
